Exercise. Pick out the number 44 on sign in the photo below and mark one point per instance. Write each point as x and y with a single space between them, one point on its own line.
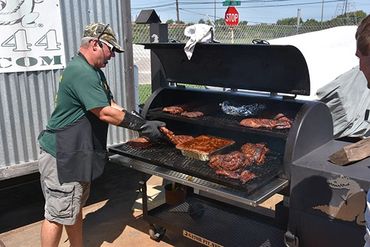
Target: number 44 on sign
18 54
19 41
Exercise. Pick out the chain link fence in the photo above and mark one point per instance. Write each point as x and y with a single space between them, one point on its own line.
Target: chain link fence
241 34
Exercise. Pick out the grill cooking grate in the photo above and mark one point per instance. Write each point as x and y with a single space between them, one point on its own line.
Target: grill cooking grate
169 157
217 118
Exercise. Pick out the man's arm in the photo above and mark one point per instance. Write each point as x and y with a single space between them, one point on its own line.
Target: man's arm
110 114
115 105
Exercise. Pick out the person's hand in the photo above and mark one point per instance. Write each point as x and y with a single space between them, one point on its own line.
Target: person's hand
151 130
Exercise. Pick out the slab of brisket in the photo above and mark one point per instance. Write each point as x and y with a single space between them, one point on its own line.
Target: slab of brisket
280 121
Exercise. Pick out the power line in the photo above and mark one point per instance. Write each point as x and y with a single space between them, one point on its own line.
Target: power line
278 5
155 6
240 7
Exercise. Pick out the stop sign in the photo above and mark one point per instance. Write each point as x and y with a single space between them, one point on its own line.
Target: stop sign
231 16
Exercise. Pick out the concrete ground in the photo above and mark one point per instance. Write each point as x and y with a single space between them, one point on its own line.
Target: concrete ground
112 216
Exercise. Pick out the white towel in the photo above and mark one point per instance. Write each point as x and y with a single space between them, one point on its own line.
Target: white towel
196 33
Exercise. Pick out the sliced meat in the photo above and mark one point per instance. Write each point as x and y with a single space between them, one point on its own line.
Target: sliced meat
140 142
246 176
229 174
230 162
173 109
255 152
192 114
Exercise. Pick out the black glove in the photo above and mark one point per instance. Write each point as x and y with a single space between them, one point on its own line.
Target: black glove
148 129
132 121
151 130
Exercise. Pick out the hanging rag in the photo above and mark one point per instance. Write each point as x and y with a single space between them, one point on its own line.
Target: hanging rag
197 33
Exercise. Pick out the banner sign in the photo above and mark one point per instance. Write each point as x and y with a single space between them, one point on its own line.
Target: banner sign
31 36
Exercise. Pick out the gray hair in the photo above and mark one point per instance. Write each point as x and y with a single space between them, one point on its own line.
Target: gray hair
85 41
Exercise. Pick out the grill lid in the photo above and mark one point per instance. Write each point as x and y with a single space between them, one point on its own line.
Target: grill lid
269 68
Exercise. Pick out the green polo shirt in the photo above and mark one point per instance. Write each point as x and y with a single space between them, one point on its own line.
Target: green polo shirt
81 88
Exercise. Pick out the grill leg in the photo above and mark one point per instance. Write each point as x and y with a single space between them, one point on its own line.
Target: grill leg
144 197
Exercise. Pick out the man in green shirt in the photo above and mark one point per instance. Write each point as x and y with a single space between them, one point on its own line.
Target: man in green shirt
73 146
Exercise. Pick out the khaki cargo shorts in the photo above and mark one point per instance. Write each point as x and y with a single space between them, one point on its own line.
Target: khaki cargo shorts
62 201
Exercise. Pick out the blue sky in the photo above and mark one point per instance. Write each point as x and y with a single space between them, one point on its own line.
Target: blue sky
253 11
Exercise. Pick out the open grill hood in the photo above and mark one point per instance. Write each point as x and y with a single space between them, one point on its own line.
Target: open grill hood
269 68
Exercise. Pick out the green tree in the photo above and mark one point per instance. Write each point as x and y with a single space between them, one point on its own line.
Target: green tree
311 22
170 21
220 21
350 17
201 21
288 21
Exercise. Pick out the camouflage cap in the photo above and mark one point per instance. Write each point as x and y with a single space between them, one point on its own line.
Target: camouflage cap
103 32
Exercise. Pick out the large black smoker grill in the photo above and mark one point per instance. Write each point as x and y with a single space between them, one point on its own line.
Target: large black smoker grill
242 74
261 68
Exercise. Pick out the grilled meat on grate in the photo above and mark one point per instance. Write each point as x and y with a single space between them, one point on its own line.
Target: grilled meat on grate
175 139
140 142
167 132
280 121
179 139
230 162
246 175
192 114
233 164
256 153
176 109
230 174
205 144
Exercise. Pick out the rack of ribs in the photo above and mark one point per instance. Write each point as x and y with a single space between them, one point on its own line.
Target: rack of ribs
175 139
280 121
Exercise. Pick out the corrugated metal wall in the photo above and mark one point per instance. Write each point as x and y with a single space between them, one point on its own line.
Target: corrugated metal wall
26 99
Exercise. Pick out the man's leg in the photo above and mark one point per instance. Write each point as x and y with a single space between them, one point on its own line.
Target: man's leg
50 233
74 232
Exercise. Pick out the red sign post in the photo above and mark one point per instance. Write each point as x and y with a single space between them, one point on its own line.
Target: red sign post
231 16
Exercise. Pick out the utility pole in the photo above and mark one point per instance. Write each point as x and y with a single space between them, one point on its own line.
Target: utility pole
214 13
345 7
177 11
322 10
298 19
